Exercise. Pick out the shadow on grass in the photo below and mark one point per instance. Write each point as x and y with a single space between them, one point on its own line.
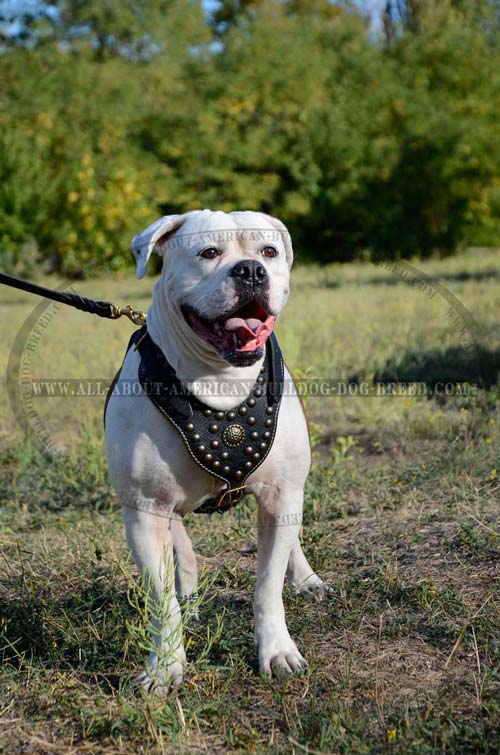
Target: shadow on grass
461 276
85 630
475 365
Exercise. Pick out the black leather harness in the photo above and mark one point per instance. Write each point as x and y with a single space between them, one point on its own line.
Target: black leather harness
230 445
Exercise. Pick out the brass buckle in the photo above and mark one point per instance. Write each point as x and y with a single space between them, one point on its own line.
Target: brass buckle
221 507
137 317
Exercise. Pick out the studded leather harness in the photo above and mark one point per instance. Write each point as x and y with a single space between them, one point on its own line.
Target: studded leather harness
230 445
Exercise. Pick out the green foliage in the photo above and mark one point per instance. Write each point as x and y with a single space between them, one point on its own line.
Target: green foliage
113 114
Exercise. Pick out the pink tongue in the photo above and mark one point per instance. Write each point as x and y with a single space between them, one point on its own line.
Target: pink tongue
251 333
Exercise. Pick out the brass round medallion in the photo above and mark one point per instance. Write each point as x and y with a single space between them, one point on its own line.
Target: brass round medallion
233 435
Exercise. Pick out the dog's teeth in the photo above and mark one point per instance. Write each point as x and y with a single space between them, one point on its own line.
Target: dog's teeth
218 329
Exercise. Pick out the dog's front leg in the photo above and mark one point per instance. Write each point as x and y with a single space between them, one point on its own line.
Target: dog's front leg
149 538
279 519
186 569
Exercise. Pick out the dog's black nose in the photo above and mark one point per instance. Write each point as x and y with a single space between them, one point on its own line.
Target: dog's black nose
250 272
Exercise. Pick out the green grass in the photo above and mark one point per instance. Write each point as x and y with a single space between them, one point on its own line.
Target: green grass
401 517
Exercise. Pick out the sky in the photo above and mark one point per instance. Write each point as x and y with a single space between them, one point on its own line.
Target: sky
372 8
367 5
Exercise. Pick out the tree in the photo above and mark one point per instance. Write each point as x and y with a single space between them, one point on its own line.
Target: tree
123 112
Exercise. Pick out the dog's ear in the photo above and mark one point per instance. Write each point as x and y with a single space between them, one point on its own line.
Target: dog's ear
154 239
285 235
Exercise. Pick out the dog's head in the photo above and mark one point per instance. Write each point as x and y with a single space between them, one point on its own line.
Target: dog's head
226 274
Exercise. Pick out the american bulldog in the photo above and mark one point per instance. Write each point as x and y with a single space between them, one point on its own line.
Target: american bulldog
224 281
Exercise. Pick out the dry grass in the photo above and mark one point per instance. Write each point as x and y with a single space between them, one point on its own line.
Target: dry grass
401 517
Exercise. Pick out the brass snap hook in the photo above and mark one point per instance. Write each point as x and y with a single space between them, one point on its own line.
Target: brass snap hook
137 317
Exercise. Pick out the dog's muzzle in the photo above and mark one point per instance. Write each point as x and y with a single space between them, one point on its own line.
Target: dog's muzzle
240 333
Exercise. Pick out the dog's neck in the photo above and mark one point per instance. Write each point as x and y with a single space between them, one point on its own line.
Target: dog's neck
198 367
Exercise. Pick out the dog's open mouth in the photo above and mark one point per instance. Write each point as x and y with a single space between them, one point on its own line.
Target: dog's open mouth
240 332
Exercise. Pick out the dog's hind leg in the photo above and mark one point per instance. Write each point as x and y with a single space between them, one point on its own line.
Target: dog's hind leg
149 538
302 577
186 569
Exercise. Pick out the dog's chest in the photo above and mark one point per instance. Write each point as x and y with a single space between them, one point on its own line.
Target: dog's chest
228 445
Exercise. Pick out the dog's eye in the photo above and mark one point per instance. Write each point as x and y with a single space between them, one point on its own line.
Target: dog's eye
269 251
210 253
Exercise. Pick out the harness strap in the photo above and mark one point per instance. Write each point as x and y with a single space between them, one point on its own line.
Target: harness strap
133 339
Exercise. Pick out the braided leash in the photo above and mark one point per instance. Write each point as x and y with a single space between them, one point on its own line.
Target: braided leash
99 308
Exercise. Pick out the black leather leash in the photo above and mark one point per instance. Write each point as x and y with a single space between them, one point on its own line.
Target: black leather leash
99 308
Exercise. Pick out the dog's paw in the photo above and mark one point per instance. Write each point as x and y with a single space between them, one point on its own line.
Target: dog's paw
161 682
143 681
313 588
278 654
159 679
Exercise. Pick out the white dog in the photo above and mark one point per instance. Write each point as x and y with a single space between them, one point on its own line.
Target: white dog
224 281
